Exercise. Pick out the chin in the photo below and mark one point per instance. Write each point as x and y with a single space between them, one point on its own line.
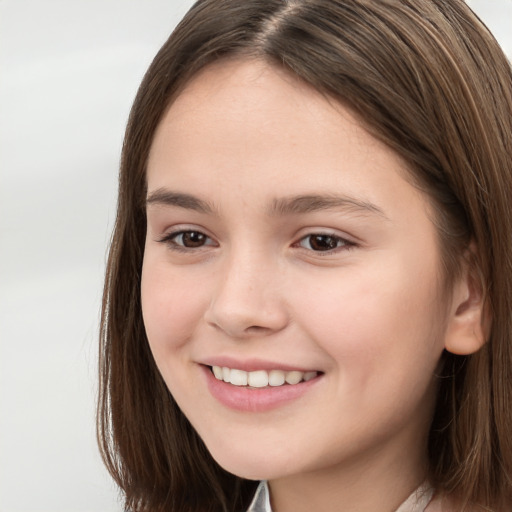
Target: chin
251 467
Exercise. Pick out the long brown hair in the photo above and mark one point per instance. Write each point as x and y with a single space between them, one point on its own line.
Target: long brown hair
428 79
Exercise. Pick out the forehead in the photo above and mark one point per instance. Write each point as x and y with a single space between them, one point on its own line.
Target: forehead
258 106
237 92
240 125
244 81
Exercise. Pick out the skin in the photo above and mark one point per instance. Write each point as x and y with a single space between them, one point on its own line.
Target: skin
368 314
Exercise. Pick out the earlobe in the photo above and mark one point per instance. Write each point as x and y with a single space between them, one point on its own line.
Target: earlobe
469 324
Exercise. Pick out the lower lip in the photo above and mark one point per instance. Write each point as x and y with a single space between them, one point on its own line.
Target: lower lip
246 399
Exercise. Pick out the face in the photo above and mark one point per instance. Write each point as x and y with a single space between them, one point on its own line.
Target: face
290 285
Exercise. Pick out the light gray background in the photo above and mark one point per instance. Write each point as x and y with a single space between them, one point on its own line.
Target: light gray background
68 72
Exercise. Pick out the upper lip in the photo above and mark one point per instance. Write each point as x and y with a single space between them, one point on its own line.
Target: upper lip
254 364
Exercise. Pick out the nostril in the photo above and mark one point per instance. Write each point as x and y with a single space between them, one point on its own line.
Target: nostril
241 318
257 329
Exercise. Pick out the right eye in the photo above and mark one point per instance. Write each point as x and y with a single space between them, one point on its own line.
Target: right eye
189 239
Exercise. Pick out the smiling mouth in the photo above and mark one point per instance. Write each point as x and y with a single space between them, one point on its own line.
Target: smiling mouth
261 378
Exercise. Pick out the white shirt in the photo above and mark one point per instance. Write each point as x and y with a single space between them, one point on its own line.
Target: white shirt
416 502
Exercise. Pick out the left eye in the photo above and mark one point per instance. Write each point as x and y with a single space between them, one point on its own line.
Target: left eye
188 239
322 242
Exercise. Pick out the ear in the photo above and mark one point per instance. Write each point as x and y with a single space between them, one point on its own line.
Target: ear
469 324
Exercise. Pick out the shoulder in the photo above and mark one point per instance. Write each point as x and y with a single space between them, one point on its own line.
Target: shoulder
439 504
444 504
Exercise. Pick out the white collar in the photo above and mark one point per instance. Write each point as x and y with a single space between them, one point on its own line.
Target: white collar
416 502
261 500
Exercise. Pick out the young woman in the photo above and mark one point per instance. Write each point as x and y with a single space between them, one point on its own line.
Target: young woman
310 279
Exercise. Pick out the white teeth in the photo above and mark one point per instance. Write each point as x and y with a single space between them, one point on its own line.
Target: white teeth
258 379
276 378
238 377
310 375
293 377
261 378
217 371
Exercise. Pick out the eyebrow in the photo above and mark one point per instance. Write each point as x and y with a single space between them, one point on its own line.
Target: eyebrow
313 203
300 204
164 197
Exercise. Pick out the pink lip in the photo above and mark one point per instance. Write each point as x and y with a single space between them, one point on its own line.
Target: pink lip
255 400
252 365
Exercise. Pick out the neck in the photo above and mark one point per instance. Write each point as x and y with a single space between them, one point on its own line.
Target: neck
374 483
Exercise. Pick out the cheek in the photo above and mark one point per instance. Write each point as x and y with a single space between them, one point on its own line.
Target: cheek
172 306
380 321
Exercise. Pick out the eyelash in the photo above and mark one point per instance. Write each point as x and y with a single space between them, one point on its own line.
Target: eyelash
342 244
170 240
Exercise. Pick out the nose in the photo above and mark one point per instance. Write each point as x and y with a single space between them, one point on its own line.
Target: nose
248 300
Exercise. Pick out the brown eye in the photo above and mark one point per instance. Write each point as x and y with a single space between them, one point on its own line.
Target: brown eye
190 239
320 242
